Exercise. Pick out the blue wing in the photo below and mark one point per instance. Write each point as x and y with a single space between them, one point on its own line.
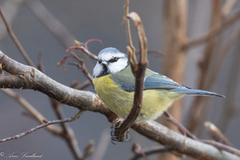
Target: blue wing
125 80
154 80
158 81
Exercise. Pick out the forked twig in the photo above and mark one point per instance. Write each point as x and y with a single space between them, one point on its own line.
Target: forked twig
46 123
80 65
83 48
120 133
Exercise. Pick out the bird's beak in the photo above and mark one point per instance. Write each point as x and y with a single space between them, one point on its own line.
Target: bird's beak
105 63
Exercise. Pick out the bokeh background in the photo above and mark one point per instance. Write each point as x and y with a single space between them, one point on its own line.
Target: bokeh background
103 19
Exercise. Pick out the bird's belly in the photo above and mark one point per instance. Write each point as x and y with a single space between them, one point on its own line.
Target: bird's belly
120 102
155 102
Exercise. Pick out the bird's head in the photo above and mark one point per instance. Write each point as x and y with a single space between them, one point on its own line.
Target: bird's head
110 61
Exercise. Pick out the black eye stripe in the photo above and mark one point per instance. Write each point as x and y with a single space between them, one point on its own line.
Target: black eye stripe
100 61
114 59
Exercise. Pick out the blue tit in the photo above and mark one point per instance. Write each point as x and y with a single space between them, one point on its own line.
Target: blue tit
114 84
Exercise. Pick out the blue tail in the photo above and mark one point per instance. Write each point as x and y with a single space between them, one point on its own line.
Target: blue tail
196 92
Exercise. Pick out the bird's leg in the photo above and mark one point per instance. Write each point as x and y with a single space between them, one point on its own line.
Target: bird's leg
116 122
121 137
115 126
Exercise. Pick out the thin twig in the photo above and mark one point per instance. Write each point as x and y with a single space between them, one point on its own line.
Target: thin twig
92 40
213 32
179 126
216 134
230 109
46 123
222 147
137 150
128 30
120 131
80 65
218 145
234 37
14 38
131 49
81 86
68 133
11 9
30 109
150 151
207 80
84 50
198 106
84 85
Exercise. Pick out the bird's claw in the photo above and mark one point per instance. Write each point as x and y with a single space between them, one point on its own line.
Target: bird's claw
116 138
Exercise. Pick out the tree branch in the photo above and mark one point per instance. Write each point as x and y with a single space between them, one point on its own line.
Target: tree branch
85 100
182 144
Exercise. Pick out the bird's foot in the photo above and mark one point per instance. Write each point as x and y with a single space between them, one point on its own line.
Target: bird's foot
121 137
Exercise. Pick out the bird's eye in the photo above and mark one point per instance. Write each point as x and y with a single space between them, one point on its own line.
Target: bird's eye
99 61
113 60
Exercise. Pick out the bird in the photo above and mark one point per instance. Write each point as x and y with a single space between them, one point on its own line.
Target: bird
114 84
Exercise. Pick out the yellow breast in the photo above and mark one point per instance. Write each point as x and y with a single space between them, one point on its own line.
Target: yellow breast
120 101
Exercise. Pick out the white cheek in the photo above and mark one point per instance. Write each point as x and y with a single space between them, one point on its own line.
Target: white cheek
97 70
117 66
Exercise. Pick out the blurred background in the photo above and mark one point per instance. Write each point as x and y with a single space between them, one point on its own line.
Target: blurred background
50 27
